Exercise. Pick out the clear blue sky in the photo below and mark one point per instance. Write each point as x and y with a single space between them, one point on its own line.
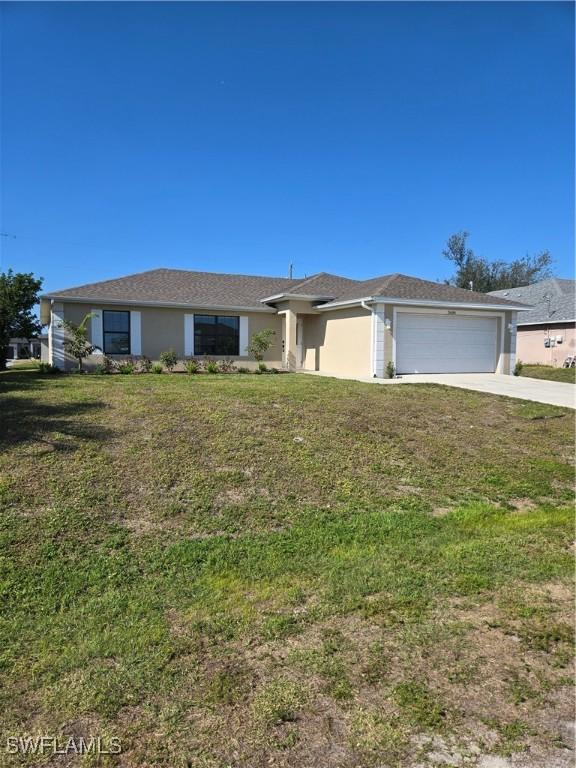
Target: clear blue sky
347 137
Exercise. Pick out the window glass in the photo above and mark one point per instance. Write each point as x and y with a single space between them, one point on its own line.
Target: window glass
116 321
216 335
116 331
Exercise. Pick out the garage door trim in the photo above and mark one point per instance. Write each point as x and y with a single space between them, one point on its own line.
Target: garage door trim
462 312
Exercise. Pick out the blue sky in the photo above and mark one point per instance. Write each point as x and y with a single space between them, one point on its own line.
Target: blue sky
347 137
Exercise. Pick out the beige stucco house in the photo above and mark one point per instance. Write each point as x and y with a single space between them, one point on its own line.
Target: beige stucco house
322 323
547 332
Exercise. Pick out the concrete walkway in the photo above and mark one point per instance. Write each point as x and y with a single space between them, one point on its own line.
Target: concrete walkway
521 387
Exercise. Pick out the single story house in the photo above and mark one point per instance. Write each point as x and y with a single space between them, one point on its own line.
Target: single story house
547 332
322 323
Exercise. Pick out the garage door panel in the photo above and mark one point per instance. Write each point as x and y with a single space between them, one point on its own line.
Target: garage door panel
437 343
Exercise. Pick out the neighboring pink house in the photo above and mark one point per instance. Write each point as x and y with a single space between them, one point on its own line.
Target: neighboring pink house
546 334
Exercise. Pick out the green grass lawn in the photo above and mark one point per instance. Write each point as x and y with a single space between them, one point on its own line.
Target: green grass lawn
285 570
24 365
549 372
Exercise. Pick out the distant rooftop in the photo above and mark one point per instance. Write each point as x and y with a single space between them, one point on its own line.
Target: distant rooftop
554 301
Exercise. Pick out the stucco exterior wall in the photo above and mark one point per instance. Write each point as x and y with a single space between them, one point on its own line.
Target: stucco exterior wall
163 328
388 337
509 356
338 342
531 344
300 306
44 351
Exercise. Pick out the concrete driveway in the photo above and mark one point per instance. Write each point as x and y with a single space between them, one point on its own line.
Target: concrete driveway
521 387
539 390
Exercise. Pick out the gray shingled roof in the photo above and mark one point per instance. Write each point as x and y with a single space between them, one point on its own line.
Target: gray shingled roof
187 288
554 300
179 286
413 288
323 284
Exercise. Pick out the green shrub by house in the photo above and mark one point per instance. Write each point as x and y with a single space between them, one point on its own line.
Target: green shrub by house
169 359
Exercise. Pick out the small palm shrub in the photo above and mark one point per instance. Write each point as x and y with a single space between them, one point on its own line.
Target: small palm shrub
192 366
212 367
157 368
518 368
169 359
262 367
76 342
390 370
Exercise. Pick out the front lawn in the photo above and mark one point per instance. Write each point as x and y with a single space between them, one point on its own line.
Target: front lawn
549 372
285 570
23 365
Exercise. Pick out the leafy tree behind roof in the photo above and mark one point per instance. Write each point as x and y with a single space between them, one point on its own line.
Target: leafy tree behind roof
482 275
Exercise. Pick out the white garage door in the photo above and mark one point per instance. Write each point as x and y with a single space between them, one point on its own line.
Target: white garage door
442 343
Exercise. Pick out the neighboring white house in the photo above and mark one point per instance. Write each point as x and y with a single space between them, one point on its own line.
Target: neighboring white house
21 349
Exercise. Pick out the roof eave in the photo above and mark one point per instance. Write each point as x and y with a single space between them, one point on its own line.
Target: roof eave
296 296
423 303
347 303
550 322
165 304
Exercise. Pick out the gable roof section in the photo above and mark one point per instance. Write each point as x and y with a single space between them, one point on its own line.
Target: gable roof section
181 287
322 285
552 301
414 289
